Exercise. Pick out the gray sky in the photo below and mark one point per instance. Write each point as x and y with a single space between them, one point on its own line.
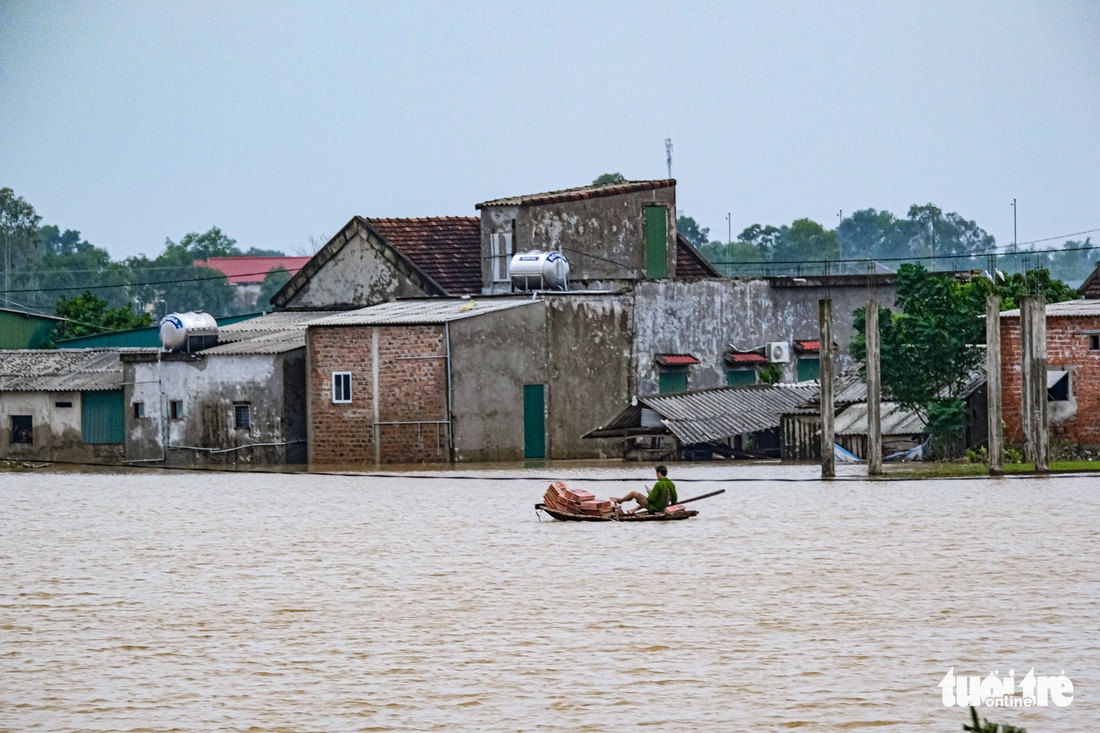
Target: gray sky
136 121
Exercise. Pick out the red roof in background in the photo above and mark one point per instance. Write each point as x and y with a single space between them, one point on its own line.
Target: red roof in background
247 270
446 248
809 345
676 359
751 358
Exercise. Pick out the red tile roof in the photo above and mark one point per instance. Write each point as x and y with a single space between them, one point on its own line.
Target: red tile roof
580 193
246 269
676 359
751 358
691 264
1090 288
446 248
809 345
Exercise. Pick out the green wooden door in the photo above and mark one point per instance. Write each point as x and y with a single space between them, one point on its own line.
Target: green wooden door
809 367
656 242
740 377
673 382
102 417
534 421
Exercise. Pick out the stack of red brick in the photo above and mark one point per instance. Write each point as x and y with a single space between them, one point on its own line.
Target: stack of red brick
561 498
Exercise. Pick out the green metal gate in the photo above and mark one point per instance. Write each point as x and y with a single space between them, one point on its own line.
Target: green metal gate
534 421
656 242
102 417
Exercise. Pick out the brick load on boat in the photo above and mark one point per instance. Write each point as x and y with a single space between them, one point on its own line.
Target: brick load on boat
578 505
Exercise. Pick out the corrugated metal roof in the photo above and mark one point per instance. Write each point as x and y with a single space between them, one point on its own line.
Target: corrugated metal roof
895 420
270 323
421 312
268 343
718 414
580 193
1089 307
63 370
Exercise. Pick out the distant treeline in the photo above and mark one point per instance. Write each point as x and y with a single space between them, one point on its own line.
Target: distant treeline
927 235
46 270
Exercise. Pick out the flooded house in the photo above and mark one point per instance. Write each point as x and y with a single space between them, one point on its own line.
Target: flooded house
237 396
65 405
1073 372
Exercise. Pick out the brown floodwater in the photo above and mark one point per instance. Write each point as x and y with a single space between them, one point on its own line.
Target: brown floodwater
440 601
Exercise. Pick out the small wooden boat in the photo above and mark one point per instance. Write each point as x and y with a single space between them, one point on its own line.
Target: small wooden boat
647 517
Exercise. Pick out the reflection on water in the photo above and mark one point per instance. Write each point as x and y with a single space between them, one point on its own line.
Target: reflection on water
296 602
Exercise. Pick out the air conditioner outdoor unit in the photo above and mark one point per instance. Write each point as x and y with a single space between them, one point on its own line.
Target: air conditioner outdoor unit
779 352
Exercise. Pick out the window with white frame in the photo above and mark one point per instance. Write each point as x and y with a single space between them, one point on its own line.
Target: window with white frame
341 387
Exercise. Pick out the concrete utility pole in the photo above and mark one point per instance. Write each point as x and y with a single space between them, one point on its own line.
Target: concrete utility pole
874 393
1033 350
825 361
668 154
995 440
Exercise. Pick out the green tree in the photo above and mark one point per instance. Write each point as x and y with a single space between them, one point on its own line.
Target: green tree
179 278
931 348
88 314
257 252
871 234
697 235
274 281
805 240
607 178
22 247
71 263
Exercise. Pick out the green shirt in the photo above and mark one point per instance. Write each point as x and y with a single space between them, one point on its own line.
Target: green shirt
662 494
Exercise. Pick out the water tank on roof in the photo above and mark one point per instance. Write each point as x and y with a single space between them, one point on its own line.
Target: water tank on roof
188 331
539 271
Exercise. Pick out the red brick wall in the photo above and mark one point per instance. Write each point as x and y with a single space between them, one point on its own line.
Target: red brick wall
412 388
1067 349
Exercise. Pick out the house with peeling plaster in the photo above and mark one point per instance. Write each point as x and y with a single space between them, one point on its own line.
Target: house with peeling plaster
242 401
63 406
1073 373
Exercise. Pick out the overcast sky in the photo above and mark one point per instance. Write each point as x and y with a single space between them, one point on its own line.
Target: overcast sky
278 122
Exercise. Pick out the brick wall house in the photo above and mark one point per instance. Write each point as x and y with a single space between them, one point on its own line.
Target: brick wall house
1073 373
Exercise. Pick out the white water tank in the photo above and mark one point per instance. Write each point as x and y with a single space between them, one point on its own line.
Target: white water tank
539 271
178 331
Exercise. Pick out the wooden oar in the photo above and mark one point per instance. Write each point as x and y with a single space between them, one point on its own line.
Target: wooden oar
704 496
696 498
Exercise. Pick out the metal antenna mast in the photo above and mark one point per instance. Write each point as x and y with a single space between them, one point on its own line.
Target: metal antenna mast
668 155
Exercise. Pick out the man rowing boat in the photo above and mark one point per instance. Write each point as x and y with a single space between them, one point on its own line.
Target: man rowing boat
663 494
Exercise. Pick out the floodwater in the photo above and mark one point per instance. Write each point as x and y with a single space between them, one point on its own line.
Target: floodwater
235 602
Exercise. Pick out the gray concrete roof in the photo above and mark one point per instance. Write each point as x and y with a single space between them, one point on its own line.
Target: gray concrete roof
62 370
1065 308
421 312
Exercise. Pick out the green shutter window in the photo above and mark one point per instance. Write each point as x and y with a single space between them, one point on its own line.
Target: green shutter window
534 421
102 417
656 242
740 377
808 368
672 382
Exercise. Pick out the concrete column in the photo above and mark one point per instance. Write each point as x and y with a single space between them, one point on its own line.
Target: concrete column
874 393
1033 349
825 360
995 442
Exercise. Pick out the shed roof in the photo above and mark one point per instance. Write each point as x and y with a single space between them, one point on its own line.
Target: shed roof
1089 307
581 193
894 420
421 312
276 342
62 370
269 323
713 414
690 262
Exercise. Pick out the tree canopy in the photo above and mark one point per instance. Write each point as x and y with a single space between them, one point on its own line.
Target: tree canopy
89 314
607 178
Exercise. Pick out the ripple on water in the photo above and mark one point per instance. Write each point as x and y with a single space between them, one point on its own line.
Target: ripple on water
232 602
